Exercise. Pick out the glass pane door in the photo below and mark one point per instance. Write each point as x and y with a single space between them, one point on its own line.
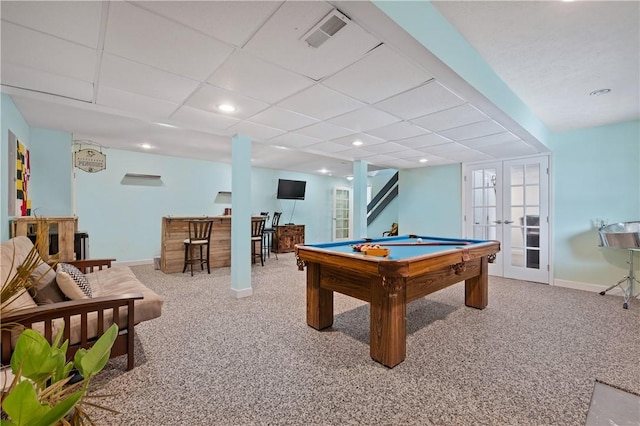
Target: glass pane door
508 201
484 205
341 214
526 213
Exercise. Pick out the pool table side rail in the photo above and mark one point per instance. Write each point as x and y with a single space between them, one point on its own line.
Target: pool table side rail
411 266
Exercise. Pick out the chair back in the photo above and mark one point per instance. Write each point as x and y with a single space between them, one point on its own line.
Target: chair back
276 219
257 226
200 230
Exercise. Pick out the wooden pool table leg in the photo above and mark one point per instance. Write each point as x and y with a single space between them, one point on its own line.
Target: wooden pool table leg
476 292
388 333
319 300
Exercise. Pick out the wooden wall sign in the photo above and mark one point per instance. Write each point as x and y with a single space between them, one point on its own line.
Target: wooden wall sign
90 160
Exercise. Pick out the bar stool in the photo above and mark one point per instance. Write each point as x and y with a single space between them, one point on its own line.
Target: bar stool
257 236
268 233
199 237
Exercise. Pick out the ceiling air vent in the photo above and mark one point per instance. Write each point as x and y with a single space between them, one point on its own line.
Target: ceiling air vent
326 28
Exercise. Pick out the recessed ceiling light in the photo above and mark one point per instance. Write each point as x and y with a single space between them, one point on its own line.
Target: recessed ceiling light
357 143
280 147
323 171
599 92
145 146
423 160
349 177
171 126
226 107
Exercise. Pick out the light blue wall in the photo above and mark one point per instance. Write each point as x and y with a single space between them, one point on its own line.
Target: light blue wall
124 221
431 200
595 176
51 169
10 120
426 24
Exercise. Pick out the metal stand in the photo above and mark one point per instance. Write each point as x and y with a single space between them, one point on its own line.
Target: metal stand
629 279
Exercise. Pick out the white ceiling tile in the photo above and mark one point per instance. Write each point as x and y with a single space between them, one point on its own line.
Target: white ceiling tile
320 102
409 153
423 140
254 130
230 21
71 20
355 153
293 140
133 77
143 105
483 128
209 98
282 119
41 81
324 147
279 41
423 100
144 37
450 118
361 80
448 150
202 120
366 140
324 131
258 79
470 156
364 119
47 53
508 149
379 159
495 139
401 130
385 148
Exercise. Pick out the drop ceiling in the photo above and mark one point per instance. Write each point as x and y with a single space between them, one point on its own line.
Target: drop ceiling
117 73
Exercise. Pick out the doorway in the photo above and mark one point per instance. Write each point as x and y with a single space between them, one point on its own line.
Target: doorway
341 214
508 201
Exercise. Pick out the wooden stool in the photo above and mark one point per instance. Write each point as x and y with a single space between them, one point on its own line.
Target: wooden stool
199 237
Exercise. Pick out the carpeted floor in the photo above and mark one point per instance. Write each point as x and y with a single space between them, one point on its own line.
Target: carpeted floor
530 358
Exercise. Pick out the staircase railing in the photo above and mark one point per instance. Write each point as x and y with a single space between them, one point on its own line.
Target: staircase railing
382 199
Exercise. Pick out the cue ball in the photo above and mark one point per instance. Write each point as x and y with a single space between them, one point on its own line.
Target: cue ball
419 240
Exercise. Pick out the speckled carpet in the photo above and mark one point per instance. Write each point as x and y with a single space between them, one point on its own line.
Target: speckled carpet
530 358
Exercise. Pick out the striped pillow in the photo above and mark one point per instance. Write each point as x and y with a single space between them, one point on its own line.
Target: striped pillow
73 282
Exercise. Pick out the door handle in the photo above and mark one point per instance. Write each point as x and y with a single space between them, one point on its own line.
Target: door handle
506 222
497 221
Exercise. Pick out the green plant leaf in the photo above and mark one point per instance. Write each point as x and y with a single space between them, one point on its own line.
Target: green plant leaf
89 362
33 353
22 405
61 409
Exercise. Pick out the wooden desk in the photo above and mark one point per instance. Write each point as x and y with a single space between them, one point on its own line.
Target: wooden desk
286 237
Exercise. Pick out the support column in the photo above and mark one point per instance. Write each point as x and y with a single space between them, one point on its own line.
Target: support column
241 216
359 199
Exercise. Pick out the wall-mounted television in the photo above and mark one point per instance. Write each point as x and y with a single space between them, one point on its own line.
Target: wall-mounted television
291 189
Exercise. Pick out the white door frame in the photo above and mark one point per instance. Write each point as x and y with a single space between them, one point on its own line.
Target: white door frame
334 217
503 265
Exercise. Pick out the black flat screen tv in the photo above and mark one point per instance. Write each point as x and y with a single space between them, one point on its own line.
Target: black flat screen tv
291 189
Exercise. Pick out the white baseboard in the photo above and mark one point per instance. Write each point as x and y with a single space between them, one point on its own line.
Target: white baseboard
596 288
239 294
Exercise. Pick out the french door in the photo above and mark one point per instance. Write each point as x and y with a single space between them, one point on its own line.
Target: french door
509 201
341 214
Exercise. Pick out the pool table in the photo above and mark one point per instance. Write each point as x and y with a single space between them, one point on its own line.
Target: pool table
415 266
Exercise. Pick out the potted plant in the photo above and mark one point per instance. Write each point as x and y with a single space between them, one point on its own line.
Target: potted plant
42 387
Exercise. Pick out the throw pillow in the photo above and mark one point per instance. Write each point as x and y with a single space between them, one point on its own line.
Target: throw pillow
45 290
73 282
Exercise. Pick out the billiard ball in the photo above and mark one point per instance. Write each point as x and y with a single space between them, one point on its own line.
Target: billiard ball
419 240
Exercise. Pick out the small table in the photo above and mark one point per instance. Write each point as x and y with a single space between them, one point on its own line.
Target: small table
416 266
